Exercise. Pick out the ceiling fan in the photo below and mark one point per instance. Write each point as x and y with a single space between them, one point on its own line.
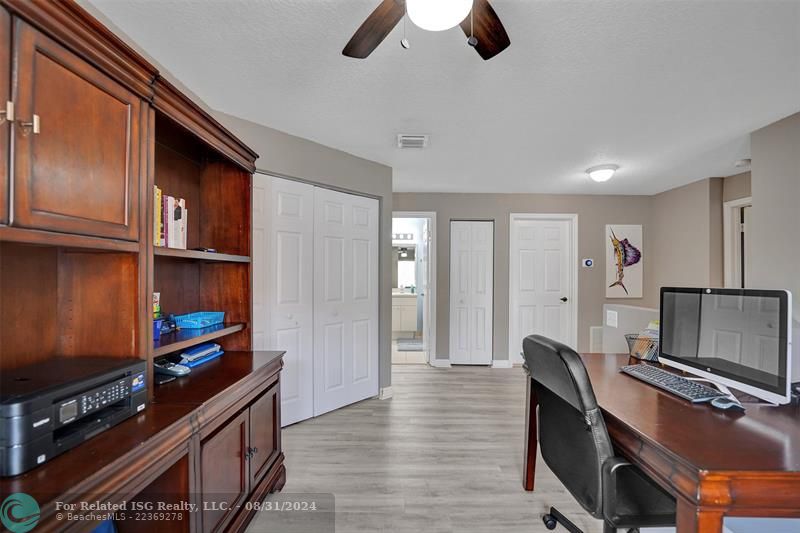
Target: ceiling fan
479 22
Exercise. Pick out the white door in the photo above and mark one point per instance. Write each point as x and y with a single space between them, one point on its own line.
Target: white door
741 330
540 278
261 208
471 292
423 284
283 283
345 299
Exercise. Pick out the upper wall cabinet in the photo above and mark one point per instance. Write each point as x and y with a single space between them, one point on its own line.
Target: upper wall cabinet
5 107
78 143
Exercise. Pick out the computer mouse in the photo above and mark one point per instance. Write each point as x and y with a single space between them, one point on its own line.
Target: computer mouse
724 402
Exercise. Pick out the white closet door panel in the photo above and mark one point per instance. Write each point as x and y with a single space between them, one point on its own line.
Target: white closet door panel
260 209
346 300
471 292
364 307
483 293
460 254
290 292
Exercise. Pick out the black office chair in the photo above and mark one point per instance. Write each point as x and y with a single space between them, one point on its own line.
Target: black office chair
574 443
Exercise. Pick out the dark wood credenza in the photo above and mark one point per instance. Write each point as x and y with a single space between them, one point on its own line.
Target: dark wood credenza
78 267
191 444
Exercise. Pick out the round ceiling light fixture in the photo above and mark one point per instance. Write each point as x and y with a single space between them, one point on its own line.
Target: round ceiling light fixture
602 173
438 15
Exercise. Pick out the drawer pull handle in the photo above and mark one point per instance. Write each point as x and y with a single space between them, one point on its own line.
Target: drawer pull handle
7 114
33 126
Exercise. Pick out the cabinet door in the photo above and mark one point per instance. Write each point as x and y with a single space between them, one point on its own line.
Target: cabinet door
396 318
224 477
265 435
409 317
5 97
80 173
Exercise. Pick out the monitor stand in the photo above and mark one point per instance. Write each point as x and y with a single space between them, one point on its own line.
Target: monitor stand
725 390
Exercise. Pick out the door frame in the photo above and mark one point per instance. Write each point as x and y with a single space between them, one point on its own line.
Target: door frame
429 319
732 246
572 218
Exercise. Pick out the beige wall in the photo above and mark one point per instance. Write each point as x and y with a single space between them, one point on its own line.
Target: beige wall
686 242
775 221
736 187
286 155
594 212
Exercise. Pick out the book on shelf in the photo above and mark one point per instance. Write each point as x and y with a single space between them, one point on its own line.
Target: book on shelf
180 224
158 219
171 221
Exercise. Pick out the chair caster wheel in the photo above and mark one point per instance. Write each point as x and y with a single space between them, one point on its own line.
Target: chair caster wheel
549 521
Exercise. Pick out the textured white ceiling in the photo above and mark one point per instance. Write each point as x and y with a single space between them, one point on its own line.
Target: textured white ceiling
669 90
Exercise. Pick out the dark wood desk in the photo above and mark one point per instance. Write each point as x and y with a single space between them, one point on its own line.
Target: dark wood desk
716 463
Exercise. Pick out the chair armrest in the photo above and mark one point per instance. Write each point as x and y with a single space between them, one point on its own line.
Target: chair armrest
611 470
632 499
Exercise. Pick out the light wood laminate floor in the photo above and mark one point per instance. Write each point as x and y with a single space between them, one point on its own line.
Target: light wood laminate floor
443 455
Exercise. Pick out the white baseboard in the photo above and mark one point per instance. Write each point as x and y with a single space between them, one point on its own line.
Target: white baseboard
385 393
440 363
502 363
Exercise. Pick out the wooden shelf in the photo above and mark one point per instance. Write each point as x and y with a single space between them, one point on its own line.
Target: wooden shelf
53 238
199 256
214 378
185 338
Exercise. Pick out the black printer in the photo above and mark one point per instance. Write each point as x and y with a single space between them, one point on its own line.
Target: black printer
52 406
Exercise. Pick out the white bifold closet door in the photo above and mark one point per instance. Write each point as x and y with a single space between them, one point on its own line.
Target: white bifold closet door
315 293
471 292
345 299
283 286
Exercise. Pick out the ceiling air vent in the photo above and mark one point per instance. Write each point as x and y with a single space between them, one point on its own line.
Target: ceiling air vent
412 141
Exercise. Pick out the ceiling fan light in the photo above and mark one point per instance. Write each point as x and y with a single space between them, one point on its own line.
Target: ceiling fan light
438 15
602 173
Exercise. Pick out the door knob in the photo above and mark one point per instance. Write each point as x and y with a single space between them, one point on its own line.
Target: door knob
564 298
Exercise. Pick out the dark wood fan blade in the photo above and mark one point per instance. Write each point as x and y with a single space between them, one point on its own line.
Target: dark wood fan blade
491 35
375 29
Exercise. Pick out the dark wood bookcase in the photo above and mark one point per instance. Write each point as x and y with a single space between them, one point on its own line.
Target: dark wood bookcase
217 194
78 266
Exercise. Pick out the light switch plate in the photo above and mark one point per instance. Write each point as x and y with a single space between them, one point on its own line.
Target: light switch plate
611 319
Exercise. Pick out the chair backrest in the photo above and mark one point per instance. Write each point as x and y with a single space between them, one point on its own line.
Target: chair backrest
573 438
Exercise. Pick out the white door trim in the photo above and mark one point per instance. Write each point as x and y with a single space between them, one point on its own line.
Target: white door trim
572 218
731 244
429 320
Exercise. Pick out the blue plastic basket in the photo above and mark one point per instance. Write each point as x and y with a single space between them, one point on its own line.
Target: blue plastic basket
199 320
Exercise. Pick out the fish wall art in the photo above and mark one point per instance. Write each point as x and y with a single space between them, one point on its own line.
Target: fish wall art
624 256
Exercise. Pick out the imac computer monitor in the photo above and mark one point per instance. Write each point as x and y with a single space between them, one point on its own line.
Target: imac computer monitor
738 337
